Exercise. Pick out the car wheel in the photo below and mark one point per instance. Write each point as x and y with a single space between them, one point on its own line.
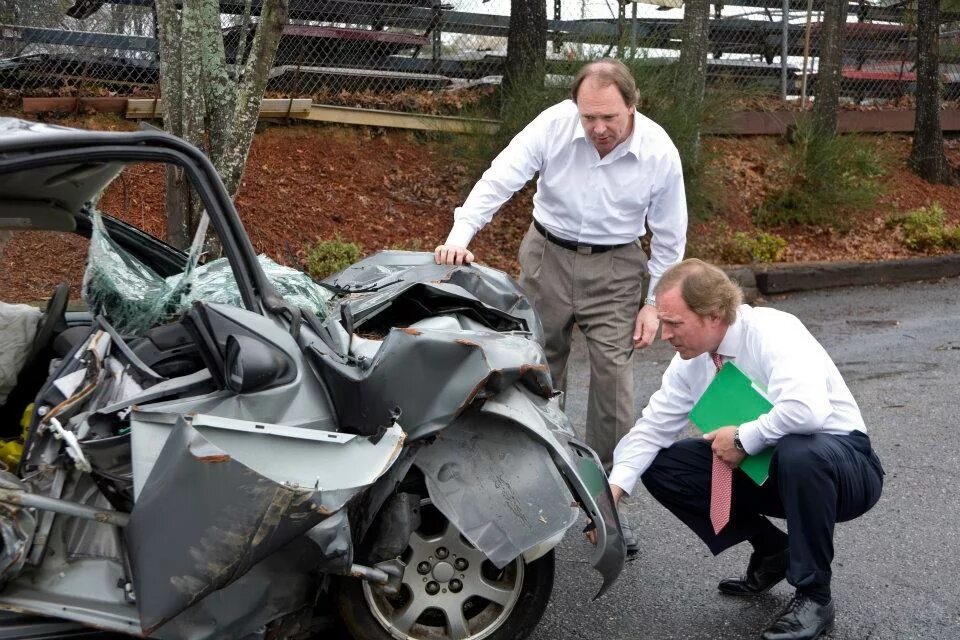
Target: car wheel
449 591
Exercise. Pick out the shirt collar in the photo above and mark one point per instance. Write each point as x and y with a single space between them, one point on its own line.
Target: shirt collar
578 132
635 139
732 339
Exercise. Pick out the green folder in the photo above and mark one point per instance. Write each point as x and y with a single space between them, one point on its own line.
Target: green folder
733 399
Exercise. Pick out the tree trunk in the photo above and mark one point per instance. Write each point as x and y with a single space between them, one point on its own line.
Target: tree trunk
927 157
828 72
251 84
692 73
206 102
525 66
171 81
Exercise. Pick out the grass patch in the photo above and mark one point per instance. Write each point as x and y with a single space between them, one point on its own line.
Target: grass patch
823 179
925 229
326 257
756 246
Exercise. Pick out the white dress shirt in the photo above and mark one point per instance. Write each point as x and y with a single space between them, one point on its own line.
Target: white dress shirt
583 197
773 349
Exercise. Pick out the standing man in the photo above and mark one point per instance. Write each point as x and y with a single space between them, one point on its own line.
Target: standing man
823 469
606 172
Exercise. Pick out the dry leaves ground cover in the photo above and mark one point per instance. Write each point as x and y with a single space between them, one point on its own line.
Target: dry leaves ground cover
396 189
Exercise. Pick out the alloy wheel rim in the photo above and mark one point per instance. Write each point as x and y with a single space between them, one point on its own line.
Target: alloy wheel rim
449 591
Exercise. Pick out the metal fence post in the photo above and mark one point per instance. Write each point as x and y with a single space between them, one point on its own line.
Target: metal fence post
784 47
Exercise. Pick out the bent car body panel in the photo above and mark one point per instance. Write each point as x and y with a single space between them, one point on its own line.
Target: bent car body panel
241 506
430 375
385 279
496 485
580 466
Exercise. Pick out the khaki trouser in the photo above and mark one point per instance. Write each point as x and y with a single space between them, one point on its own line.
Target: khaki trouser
601 294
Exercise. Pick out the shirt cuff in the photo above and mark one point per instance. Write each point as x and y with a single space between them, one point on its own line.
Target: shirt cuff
461 234
751 438
624 477
651 289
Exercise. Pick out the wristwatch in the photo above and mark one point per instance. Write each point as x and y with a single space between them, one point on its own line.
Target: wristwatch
736 440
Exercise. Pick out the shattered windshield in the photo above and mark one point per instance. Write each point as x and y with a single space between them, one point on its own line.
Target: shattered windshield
134 298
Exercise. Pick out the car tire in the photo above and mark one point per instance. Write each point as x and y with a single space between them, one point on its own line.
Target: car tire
520 593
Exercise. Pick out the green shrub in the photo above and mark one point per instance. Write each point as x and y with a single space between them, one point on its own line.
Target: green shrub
824 177
925 229
951 238
325 257
758 246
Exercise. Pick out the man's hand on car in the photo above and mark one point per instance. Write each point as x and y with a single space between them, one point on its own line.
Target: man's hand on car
452 254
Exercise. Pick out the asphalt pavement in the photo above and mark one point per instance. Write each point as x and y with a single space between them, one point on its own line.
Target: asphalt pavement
896 569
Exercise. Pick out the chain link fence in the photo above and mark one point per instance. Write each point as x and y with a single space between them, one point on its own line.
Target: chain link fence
392 54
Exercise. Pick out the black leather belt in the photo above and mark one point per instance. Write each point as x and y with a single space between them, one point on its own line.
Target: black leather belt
579 247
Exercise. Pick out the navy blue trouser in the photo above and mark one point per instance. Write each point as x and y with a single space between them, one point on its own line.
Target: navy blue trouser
815 481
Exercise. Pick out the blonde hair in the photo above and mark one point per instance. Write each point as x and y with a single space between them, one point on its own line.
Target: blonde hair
705 289
607 71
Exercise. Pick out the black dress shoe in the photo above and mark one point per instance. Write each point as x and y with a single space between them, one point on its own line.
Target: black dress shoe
802 619
762 573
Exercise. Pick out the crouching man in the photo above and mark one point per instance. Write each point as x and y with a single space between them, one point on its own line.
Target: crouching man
823 469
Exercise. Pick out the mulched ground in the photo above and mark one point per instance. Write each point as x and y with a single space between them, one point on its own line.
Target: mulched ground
396 189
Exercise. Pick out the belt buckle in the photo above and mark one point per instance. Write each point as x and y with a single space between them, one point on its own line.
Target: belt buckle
584 250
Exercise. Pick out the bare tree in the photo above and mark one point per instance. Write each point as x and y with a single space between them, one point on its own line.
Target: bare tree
206 101
525 66
828 71
927 157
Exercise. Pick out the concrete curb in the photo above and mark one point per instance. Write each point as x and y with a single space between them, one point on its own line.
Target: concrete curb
808 276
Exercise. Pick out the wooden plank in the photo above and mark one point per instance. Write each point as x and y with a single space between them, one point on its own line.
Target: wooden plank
400 120
753 123
269 108
819 275
71 105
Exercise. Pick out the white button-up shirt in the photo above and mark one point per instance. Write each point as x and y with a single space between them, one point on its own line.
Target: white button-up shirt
773 349
583 197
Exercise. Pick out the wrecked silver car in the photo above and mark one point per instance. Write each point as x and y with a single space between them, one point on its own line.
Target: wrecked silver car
222 448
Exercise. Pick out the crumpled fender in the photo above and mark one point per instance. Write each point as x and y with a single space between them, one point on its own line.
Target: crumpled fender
498 486
430 375
507 475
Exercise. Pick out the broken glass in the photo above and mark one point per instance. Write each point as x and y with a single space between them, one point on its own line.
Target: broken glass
134 298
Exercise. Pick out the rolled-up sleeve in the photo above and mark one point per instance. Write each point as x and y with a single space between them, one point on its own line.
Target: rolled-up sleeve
662 419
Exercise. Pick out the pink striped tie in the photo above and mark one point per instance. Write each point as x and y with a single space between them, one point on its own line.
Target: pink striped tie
721 481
